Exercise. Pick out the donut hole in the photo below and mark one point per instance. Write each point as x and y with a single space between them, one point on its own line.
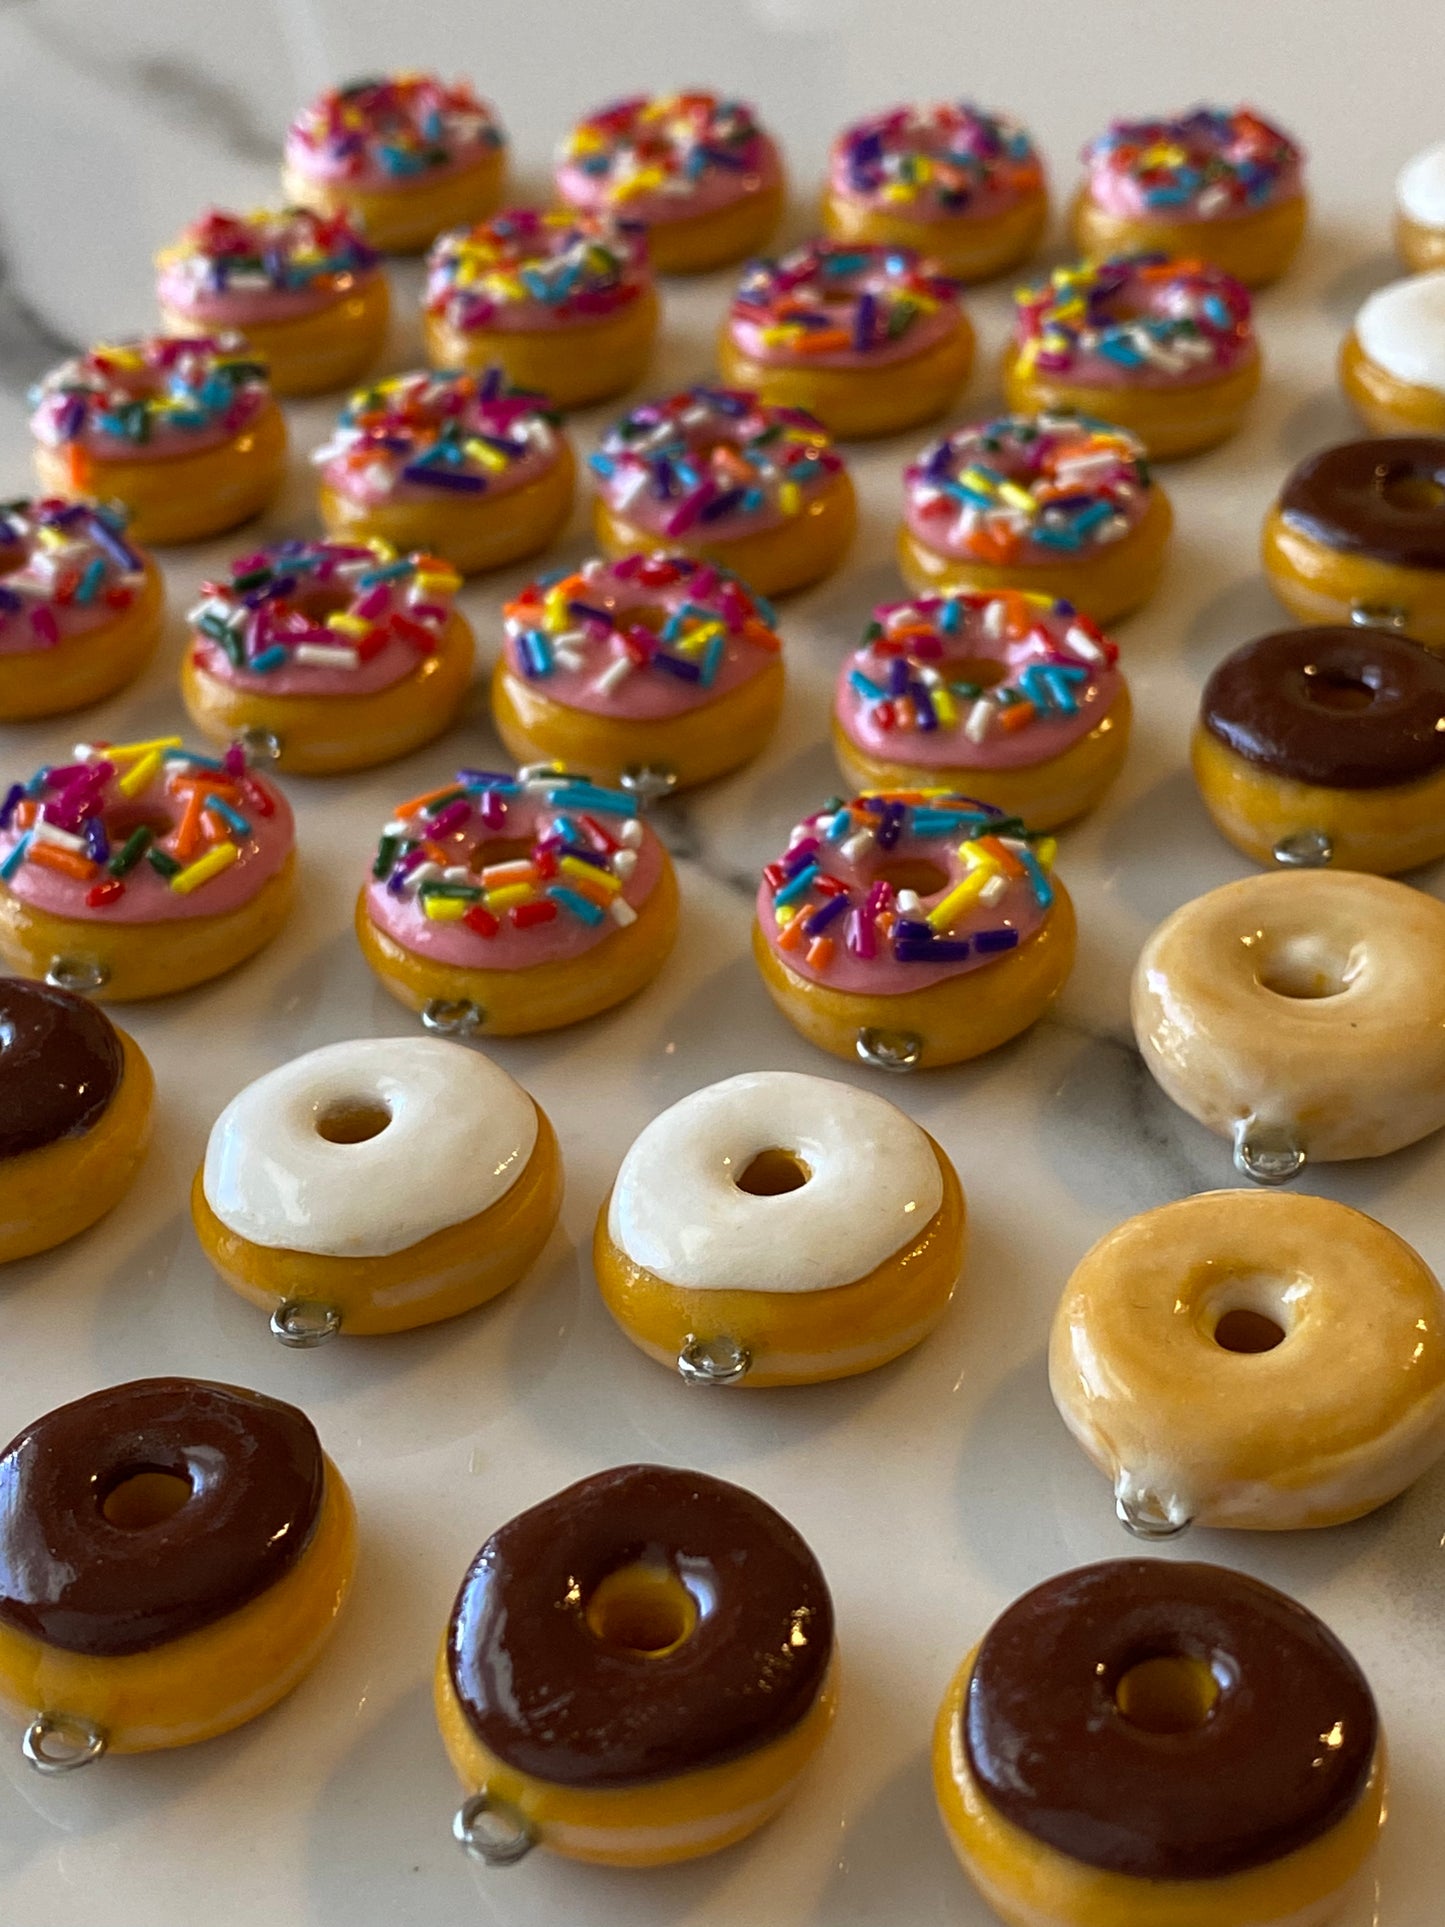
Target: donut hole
144 1497
1246 1312
981 671
1340 690
1306 967
499 849
318 600
917 873
641 1608
1411 492
773 1173
1168 1693
13 557
352 1120
125 819
1246 1331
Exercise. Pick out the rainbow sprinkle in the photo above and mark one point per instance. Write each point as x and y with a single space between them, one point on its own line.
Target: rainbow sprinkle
288 250
275 610
952 156
1207 164
578 267
828 298
902 675
1142 314
709 454
583 850
664 144
130 392
59 817
584 622
823 895
398 125
63 565
1027 487
451 432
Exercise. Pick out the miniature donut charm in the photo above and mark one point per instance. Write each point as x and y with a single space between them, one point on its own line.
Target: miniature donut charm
1301 1014
1252 1359
80 607
1327 746
1056 505
1420 210
1357 535
307 1200
913 928
75 1115
173 1557
141 869
779 1230
655 671
636 1671
1392 364
1152 1744
1224 185
1164 348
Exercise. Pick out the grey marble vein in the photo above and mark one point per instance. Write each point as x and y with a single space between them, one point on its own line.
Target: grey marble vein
29 342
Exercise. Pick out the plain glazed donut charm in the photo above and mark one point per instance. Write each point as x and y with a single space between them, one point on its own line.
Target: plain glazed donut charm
308 1201
777 1229
1252 1359
636 1671
1149 1744
1301 1014
173 1556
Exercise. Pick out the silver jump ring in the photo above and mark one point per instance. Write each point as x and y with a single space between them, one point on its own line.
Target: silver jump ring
1305 850
890 1050
1379 615
59 1743
77 973
1267 1154
713 1361
452 1017
648 782
304 1323
259 745
1142 1522
492 1832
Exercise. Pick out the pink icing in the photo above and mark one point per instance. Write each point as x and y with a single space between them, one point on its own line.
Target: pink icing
1212 164
1135 321
193 393
839 306
976 165
77 577
678 201
395 662
392 134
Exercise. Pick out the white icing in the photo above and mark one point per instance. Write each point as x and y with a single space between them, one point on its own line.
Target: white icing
1402 330
459 1137
677 1208
1420 187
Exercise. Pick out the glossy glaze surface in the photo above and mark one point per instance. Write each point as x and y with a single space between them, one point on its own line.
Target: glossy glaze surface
60 1065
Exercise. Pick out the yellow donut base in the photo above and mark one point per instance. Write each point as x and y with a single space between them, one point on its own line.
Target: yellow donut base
1043 794
1255 248
1382 401
451 1271
797 1337
859 403
968 248
697 745
1320 584
584 362
1420 248
629 1826
700 242
962 1017
59 1190
1169 421
1030 1884
179 498
773 561
311 353
83 669
1109 584
146 959
547 996
474 533
321 735
208 1681
407 218
1386 830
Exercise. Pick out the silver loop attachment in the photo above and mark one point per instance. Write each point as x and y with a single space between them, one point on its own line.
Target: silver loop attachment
648 783
304 1323
452 1017
1266 1153
59 1743
492 1832
1145 1519
889 1050
1305 850
713 1361
259 745
1379 615
77 973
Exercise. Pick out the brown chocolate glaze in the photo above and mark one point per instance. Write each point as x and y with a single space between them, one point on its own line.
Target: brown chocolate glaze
1346 498
71 1578
60 1065
1282 1757
549 1698
1352 709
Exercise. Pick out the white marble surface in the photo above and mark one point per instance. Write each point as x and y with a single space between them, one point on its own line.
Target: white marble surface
933 1491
